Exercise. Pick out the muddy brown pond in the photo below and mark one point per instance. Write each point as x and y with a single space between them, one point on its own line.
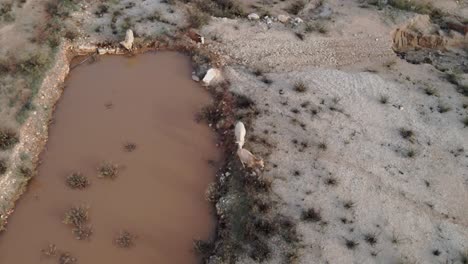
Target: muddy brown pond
139 114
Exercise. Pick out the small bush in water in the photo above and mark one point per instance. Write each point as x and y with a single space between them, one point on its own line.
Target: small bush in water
77 180
108 170
124 239
77 216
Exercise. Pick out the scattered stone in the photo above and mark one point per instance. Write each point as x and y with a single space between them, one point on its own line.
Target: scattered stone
211 76
268 20
298 21
128 42
283 18
195 78
253 16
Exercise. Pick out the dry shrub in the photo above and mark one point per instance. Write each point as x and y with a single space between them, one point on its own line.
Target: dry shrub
125 239
82 232
76 180
8 138
221 8
76 216
197 18
67 258
108 170
311 215
296 7
3 166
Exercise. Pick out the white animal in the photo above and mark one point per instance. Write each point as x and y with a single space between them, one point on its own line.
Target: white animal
211 76
247 158
128 42
240 134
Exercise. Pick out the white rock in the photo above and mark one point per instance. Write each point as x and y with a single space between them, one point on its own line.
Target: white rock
195 78
253 16
211 76
102 51
298 20
283 18
128 42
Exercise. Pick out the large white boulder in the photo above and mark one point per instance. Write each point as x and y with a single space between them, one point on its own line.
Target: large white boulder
211 76
253 16
128 42
283 18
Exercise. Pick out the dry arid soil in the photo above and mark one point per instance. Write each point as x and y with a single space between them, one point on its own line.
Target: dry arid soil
359 109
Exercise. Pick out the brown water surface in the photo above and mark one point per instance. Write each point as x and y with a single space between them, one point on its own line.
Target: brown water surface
151 101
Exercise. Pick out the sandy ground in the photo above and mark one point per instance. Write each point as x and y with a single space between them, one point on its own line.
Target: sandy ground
335 147
420 200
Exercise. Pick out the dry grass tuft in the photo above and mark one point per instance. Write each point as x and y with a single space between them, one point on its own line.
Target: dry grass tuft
108 170
125 239
76 180
82 232
67 258
8 139
300 87
197 18
311 215
3 166
76 216
296 7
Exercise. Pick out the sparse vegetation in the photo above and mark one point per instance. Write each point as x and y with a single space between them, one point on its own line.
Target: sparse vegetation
443 108
6 12
25 171
322 146
370 238
260 251
3 166
431 91
67 258
351 244
257 72
465 121
76 216
410 153
311 215
383 99
197 18
407 134
8 138
296 7
108 170
101 10
348 204
129 147
82 232
220 8
332 181
300 35
50 251
266 80
77 180
317 26
243 102
125 239
203 248
300 87
413 6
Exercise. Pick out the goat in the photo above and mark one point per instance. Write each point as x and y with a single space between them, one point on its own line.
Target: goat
247 158
240 134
